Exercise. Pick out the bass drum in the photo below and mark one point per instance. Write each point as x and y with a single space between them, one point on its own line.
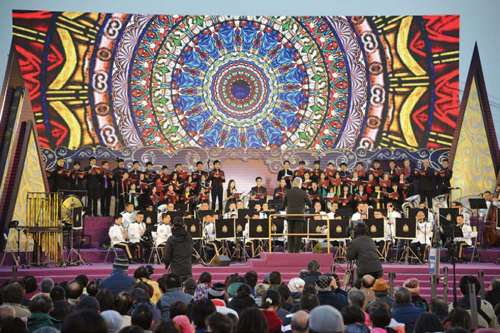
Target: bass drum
68 206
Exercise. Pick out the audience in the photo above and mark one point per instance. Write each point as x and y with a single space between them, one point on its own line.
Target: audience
404 311
493 295
205 306
30 286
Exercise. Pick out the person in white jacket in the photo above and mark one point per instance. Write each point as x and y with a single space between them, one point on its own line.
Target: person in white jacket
136 230
424 235
118 237
164 230
461 242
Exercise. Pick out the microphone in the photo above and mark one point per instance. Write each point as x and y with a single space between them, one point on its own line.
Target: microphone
454 188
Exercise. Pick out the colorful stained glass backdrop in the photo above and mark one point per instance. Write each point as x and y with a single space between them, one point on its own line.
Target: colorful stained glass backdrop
174 82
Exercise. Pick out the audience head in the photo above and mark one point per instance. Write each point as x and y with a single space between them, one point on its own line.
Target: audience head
218 323
325 318
465 281
173 281
252 320
58 294
123 303
402 295
40 303
271 300
6 311
189 286
308 302
296 285
380 316
367 281
93 287
413 285
106 300
205 277
84 321
217 291
252 278
88 303
83 279
184 324
142 316
458 317
167 326
29 283
14 324
74 289
300 320
202 308
438 304
139 294
356 297
352 314
13 293
494 284
113 320
313 266
323 283
428 322
141 272
243 291
120 263
178 308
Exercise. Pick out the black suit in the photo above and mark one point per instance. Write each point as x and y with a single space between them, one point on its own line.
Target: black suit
427 186
58 182
295 203
93 194
443 182
106 188
285 173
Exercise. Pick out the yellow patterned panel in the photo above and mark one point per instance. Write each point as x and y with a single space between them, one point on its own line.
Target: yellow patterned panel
473 168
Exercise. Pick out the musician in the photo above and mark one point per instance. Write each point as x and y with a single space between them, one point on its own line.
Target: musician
150 173
424 235
316 172
377 197
231 211
279 192
392 215
362 208
461 242
389 232
286 172
93 187
331 198
118 238
230 191
302 165
136 230
164 230
426 176
199 172
58 177
462 211
106 188
76 179
217 179
239 204
258 210
443 178
430 216
129 214
295 201
489 201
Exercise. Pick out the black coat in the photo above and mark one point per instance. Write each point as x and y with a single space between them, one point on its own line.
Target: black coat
363 250
178 252
295 202
427 180
239 304
93 181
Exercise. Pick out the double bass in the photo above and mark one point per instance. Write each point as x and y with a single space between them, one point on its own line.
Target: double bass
490 236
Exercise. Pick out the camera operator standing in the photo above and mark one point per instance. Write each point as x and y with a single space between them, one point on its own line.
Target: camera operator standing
362 249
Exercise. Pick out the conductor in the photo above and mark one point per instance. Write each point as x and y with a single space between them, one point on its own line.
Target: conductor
294 202
179 249
362 249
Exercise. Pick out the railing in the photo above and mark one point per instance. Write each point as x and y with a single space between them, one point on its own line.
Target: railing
308 234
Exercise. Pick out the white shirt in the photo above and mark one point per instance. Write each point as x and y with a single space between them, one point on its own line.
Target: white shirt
135 231
163 232
467 231
128 218
424 233
356 216
116 234
209 231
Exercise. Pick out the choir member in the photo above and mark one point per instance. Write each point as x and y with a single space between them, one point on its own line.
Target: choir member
316 172
258 190
443 178
393 170
93 187
164 175
118 236
199 172
58 178
150 173
106 185
279 192
376 170
134 174
345 198
300 171
217 179
76 178
344 173
286 173
230 192
377 198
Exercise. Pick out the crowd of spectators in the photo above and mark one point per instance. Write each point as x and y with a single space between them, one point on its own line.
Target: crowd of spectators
311 302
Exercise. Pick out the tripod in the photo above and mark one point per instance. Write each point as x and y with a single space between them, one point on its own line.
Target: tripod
349 275
71 250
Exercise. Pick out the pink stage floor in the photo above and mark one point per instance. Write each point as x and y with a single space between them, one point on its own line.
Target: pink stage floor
288 264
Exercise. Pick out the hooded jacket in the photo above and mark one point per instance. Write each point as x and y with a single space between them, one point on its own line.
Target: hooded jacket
178 253
39 320
239 304
171 296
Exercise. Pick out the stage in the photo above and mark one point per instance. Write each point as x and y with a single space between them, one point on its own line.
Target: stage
289 265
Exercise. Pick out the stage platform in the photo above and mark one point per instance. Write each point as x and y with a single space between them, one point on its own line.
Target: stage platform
288 264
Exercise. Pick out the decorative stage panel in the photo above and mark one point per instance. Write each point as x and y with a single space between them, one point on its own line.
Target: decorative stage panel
174 82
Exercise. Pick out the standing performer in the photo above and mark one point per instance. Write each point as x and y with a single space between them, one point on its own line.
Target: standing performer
93 187
286 173
259 189
58 178
217 179
295 201
76 178
443 178
426 176
122 188
106 188
199 172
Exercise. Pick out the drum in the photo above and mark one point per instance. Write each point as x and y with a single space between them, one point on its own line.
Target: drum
69 204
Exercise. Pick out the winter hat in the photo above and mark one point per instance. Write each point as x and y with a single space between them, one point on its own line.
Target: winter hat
184 324
296 285
413 285
323 283
113 320
380 285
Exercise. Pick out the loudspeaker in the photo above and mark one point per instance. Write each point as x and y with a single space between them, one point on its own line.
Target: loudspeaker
220 261
321 247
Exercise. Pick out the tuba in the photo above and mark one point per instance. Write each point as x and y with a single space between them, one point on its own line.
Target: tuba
411 202
441 201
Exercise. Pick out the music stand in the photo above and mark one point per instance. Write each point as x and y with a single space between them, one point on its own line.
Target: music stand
412 213
276 204
252 203
202 213
406 229
153 215
258 230
244 213
338 233
239 227
175 214
225 229
180 206
277 227
477 203
314 228
193 227
449 214
345 212
375 228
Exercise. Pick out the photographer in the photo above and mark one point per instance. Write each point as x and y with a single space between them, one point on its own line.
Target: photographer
362 249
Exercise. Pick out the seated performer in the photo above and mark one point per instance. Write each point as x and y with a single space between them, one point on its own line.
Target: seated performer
424 235
136 230
164 230
461 210
129 214
118 235
460 242
389 232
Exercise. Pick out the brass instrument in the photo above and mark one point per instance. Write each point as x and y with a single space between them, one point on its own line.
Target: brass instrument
440 201
411 202
42 221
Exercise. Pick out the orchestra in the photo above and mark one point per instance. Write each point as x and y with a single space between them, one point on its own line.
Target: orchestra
337 190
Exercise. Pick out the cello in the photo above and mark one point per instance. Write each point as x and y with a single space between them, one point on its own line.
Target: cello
490 222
